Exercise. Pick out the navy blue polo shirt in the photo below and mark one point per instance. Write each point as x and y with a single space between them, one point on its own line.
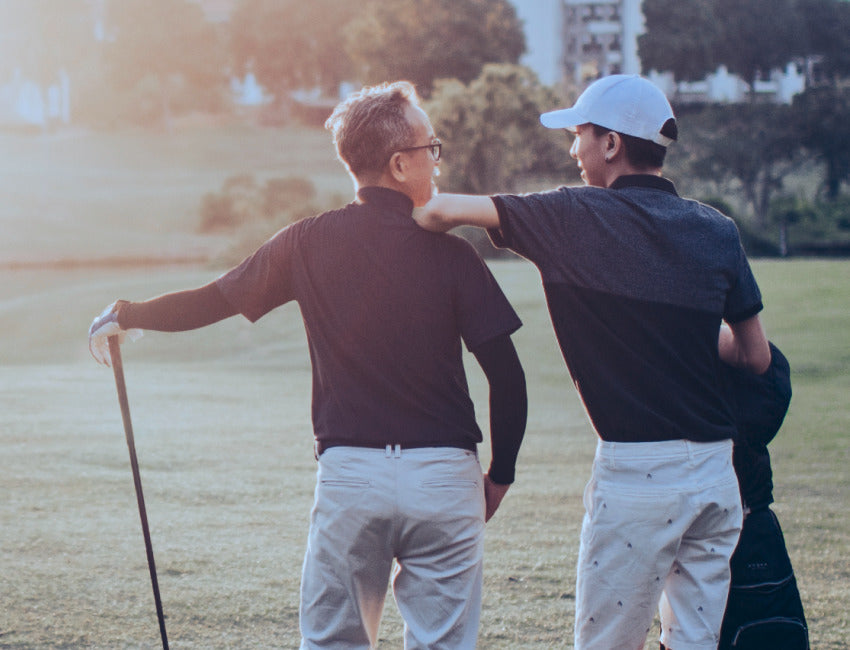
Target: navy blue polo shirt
637 281
386 306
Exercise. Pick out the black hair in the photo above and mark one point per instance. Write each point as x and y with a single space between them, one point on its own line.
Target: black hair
643 153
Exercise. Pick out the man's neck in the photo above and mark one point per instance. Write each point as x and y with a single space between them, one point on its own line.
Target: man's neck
621 167
384 180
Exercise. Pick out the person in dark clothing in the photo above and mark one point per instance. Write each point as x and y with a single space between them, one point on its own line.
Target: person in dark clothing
764 610
638 281
387 308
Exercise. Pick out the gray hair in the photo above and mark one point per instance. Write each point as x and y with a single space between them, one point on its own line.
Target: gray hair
370 125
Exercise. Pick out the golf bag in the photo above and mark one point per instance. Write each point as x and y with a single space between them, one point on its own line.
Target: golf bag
764 611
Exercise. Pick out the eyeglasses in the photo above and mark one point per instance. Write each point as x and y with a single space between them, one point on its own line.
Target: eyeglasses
435 147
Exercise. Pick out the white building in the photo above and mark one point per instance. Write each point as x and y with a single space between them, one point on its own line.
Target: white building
577 41
542 20
600 38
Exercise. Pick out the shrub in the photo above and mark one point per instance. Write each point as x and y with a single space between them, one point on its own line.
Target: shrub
243 201
837 212
285 195
754 241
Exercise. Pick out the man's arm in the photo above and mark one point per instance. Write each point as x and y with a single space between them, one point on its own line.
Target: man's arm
445 211
177 312
744 345
508 413
173 312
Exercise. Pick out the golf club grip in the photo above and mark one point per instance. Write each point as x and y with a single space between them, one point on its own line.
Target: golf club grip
118 370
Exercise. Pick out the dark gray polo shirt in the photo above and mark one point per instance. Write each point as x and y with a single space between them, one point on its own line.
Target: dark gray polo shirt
637 281
386 306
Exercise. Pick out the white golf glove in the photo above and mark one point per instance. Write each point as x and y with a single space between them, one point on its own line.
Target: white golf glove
102 328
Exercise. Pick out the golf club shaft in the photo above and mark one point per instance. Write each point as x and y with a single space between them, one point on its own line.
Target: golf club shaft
118 370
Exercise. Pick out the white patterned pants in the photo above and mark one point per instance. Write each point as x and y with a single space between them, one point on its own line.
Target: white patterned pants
662 520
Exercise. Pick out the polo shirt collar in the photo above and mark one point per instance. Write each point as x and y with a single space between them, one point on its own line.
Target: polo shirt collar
648 181
386 199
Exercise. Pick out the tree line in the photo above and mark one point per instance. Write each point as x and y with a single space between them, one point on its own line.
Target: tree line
749 37
787 163
144 61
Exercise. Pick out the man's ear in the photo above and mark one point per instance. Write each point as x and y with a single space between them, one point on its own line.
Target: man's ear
398 167
613 145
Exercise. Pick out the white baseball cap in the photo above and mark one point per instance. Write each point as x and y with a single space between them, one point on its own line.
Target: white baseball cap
626 103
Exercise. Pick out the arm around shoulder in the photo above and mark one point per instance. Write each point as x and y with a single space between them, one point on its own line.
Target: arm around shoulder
446 211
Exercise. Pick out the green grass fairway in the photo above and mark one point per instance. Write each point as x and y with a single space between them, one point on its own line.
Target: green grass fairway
223 437
222 421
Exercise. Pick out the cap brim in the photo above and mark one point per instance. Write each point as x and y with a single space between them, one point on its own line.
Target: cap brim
565 118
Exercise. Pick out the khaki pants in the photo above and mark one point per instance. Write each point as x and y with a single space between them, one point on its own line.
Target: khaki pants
662 520
422 507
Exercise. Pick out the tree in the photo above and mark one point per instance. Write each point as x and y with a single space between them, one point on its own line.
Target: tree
168 42
756 37
786 211
492 132
821 119
291 44
680 37
826 24
425 40
749 37
754 145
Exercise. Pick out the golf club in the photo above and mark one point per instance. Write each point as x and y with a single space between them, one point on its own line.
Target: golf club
118 370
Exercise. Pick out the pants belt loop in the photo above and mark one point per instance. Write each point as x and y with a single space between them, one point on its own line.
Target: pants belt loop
388 451
398 451
690 447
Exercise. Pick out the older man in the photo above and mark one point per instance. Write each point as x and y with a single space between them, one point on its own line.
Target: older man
386 307
638 281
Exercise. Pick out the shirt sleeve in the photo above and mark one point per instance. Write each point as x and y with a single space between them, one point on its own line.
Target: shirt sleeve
177 312
532 225
508 405
744 299
483 312
264 280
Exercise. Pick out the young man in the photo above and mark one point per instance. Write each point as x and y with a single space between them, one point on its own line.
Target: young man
638 281
386 307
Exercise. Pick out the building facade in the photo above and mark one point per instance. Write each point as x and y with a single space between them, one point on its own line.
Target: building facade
600 38
572 42
576 41
542 22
